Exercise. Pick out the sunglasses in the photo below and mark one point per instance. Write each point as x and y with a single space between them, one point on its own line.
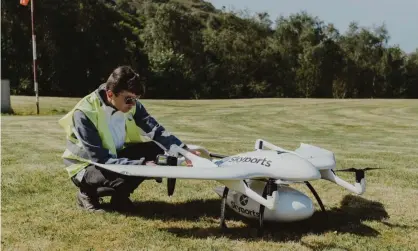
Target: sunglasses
131 100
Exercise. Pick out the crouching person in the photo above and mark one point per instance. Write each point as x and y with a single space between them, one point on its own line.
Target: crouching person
105 127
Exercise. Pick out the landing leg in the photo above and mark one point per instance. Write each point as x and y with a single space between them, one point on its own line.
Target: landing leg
223 207
261 215
268 190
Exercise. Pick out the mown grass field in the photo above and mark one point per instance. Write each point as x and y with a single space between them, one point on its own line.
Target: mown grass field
38 210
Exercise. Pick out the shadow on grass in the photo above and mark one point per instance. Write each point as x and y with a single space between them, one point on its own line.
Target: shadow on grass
347 218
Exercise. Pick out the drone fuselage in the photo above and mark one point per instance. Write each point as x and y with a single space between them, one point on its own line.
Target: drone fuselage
291 205
288 204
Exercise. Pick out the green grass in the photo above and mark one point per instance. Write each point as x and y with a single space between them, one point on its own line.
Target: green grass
38 200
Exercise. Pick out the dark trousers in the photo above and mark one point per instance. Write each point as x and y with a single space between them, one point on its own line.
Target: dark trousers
96 177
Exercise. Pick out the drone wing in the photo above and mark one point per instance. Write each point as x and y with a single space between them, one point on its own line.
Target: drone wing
232 172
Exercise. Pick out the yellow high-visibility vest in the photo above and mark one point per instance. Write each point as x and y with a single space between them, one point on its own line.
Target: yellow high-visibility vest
91 106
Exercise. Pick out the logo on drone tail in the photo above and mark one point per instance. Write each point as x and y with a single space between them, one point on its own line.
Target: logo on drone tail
264 162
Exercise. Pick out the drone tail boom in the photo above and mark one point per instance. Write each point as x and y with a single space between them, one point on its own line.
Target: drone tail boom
359 186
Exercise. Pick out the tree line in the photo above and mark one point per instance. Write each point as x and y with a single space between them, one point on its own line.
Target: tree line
187 49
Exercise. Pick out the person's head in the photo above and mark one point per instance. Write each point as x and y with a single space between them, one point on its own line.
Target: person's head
123 87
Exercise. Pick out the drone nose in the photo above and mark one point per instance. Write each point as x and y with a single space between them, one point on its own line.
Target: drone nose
291 167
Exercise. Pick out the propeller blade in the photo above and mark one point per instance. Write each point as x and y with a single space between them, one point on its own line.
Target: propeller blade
347 170
171 185
357 170
217 155
360 173
371 168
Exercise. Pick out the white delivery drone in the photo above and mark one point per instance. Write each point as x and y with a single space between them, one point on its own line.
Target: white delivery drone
259 179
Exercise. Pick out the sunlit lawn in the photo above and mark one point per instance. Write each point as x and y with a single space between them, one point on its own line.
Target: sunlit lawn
38 200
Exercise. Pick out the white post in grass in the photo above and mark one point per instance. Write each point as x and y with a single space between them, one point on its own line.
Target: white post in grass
34 56
5 96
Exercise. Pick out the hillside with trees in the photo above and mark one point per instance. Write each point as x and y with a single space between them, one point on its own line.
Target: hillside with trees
188 49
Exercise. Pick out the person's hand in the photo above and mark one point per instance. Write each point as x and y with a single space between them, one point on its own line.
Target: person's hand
189 162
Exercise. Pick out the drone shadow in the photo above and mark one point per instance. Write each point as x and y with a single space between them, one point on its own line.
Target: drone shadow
347 218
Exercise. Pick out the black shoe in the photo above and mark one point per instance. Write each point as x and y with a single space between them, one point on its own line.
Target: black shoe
88 203
122 203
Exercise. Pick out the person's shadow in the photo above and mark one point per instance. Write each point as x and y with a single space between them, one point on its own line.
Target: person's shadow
347 218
